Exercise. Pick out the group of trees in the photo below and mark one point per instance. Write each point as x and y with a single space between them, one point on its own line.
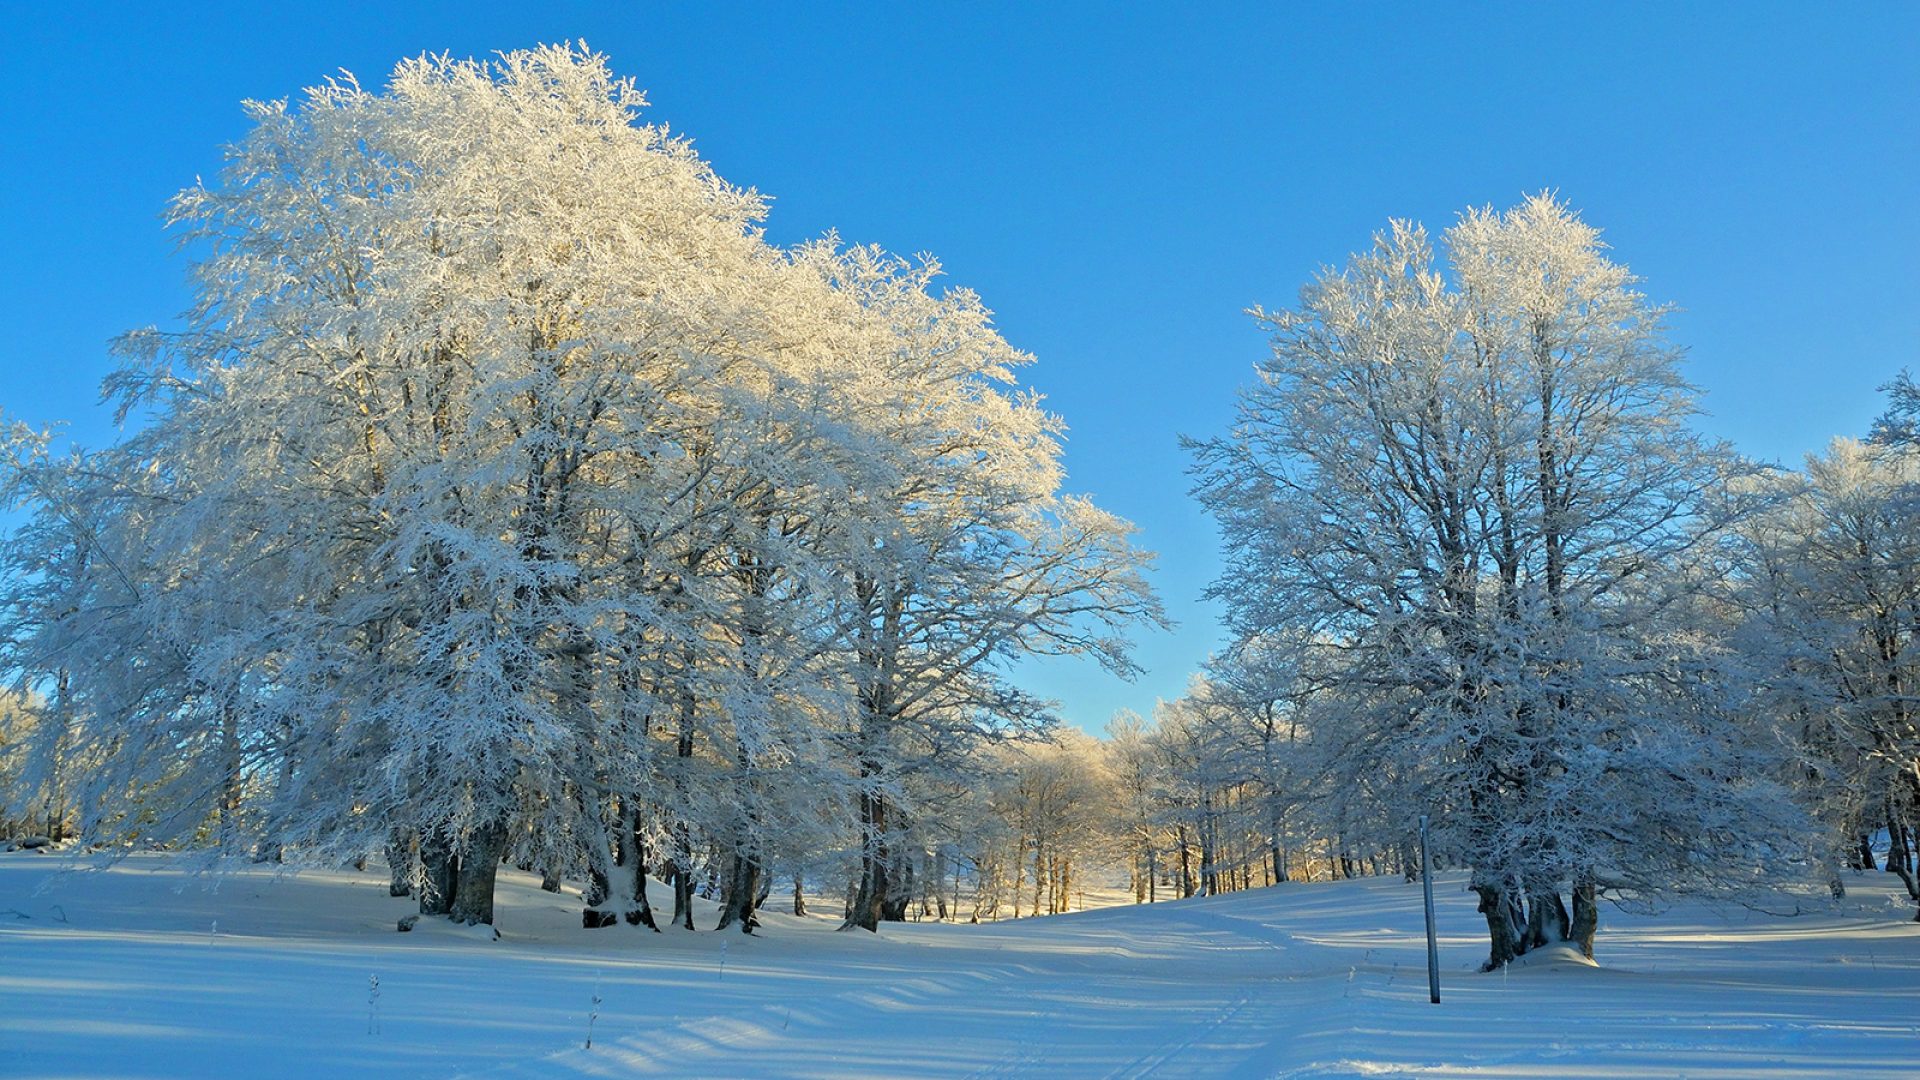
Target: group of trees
1202 799
1483 567
506 496
1215 793
1830 607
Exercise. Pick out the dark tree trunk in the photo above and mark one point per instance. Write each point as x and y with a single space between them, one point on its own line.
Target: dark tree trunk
400 849
442 870
1209 854
1502 935
1904 865
641 913
864 911
1547 919
1516 917
900 888
1586 916
743 887
682 835
632 866
1898 857
1186 865
593 916
1863 855
683 883
601 862
670 877
799 897
479 867
230 783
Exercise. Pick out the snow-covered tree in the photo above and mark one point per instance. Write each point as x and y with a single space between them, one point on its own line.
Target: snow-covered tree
1469 489
1831 579
973 556
507 495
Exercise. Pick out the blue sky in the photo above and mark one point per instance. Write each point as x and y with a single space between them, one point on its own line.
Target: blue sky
1118 182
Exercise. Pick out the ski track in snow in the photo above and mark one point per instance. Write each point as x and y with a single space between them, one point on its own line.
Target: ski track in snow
141 971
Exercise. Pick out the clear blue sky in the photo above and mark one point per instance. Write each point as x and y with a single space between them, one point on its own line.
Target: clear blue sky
1118 184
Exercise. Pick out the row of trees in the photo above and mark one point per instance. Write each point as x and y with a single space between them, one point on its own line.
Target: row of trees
1208 796
507 496
1482 566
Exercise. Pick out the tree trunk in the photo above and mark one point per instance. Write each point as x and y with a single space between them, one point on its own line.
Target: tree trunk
601 866
633 868
799 897
230 780
479 866
1547 919
1019 875
1186 866
1209 855
1904 867
1863 855
1586 915
900 889
400 853
641 913
683 896
442 871
1501 933
593 915
1898 858
743 887
870 890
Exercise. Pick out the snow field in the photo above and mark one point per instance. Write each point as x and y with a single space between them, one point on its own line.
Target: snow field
142 970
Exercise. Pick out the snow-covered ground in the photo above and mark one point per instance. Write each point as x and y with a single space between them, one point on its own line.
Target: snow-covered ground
141 971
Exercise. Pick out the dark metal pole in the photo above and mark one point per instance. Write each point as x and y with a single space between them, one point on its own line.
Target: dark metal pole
1433 947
